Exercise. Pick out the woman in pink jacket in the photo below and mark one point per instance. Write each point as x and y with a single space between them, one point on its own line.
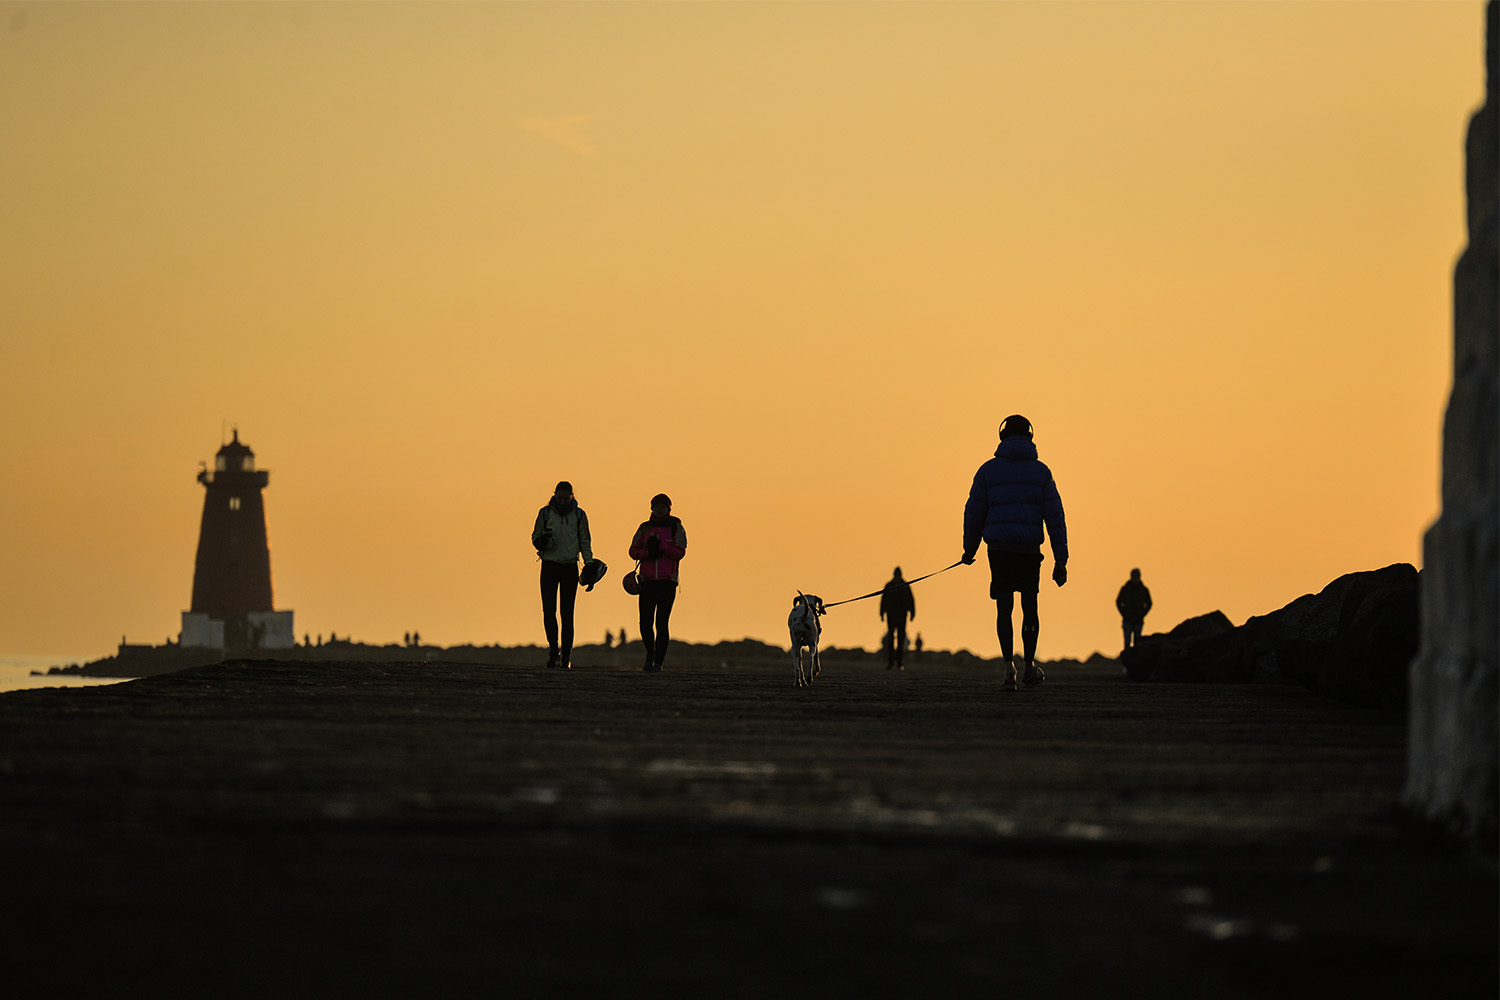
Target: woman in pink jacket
659 544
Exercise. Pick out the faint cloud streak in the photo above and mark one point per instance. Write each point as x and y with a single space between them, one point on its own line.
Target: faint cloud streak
563 131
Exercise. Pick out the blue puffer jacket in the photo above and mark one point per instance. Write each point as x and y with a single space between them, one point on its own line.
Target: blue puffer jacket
1013 494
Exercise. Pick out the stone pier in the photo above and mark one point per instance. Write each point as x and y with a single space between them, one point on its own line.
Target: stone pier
1454 753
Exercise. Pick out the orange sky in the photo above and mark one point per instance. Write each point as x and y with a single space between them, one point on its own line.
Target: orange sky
790 263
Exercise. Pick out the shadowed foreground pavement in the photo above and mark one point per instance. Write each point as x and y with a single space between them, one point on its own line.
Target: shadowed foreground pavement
295 828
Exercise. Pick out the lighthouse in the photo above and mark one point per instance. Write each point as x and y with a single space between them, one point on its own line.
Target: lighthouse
232 606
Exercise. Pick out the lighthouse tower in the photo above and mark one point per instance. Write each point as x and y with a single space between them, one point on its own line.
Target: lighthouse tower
232 576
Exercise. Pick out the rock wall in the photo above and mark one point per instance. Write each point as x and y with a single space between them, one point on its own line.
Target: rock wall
1353 640
1454 755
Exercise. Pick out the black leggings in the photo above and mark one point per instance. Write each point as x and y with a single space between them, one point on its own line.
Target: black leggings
1031 624
559 579
656 607
895 637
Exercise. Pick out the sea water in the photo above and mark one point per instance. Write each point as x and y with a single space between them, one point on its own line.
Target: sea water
16 668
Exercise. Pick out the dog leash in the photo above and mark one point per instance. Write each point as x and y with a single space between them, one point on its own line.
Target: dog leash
877 593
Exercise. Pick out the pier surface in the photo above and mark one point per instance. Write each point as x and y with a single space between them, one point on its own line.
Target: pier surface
265 828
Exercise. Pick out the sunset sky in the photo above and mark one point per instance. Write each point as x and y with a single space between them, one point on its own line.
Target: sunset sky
790 263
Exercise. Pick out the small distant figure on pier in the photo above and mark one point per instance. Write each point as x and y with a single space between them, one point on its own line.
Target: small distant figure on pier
406 638
622 637
609 639
916 649
896 605
1133 603
416 638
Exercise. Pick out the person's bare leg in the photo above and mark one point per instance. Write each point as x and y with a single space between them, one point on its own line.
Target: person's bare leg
1003 629
1031 626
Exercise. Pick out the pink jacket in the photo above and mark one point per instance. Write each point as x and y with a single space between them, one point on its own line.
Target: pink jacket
673 542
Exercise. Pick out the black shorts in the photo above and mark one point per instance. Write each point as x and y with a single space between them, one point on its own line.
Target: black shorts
1014 572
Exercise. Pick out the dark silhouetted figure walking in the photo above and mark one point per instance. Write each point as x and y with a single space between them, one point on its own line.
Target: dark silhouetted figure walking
659 543
561 535
916 649
896 605
1133 603
1012 497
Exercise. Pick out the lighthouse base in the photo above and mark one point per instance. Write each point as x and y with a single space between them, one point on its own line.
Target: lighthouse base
257 630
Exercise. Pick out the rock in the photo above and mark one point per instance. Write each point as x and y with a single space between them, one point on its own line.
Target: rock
1172 656
1376 642
1453 757
1327 641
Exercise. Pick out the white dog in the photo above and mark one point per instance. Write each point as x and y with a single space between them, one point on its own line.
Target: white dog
803 624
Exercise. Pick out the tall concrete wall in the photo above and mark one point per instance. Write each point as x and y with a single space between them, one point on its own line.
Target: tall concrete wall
1454 754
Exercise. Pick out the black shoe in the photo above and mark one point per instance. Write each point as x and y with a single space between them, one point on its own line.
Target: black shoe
551 661
653 668
1033 676
1009 684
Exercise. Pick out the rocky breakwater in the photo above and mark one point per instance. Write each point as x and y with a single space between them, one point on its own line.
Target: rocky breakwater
1353 640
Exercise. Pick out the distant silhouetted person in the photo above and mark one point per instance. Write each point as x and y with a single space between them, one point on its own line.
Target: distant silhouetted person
560 536
896 605
916 649
1013 496
406 638
416 638
1133 603
622 637
659 543
609 639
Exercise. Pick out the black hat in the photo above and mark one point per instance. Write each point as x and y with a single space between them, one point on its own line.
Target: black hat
1013 425
593 572
661 498
564 485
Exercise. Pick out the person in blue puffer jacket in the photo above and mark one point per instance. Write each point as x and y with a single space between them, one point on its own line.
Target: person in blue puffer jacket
1013 496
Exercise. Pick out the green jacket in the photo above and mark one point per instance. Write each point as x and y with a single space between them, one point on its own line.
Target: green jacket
570 535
